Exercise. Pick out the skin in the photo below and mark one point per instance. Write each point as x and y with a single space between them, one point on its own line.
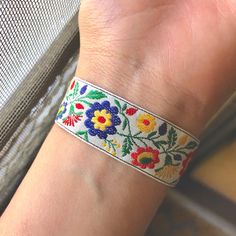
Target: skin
178 60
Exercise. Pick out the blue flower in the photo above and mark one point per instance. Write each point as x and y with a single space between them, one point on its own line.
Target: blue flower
102 119
61 111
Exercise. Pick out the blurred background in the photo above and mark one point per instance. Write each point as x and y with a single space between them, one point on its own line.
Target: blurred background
39 47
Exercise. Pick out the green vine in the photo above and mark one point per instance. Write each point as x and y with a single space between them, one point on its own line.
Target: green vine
110 144
167 146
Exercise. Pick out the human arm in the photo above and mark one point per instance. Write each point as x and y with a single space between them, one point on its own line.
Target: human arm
170 63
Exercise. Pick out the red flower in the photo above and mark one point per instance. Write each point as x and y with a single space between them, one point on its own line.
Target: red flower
131 111
145 157
72 85
186 163
71 120
79 106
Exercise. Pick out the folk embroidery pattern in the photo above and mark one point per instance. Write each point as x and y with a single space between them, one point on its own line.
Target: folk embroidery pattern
126 132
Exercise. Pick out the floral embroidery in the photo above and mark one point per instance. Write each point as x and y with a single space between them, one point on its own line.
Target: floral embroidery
145 157
182 139
126 132
162 129
102 119
79 106
83 89
111 146
131 111
72 85
146 123
71 120
61 111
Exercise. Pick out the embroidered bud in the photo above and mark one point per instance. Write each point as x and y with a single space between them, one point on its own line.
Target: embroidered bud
131 111
72 85
83 89
177 157
182 139
163 129
79 106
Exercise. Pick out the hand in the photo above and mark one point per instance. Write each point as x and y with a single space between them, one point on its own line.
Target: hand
179 54
176 58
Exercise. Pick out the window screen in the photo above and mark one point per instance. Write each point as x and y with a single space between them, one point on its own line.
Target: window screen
28 28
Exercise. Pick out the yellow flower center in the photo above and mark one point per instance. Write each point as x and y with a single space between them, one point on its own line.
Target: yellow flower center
101 119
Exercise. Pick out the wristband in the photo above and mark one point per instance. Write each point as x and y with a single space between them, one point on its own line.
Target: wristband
126 132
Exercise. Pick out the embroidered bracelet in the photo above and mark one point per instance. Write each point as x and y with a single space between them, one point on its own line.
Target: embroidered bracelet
126 131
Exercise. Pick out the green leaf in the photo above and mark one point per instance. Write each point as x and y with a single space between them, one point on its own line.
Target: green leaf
78 113
168 160
172 137
84 133
158 169
124 124
191 145
159 143
85 102
69 96
126 147
117 103
72 109
81 132
76 89
124 107
95 94
86 136
152 134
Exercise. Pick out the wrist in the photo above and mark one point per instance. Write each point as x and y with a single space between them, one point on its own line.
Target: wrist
155 93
